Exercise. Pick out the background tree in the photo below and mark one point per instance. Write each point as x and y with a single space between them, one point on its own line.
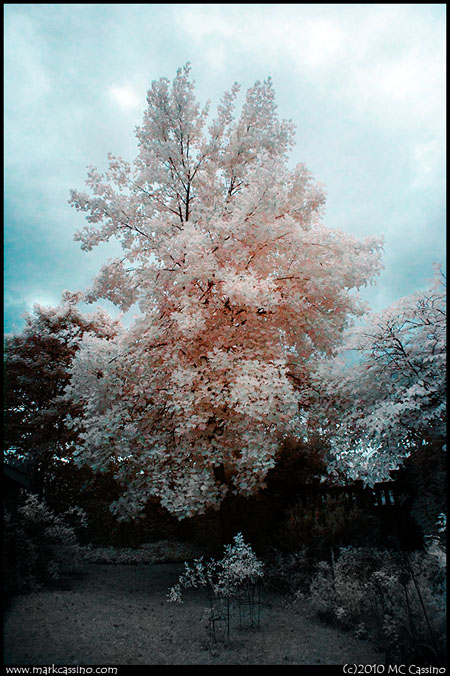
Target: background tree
392 401
238 283
36 373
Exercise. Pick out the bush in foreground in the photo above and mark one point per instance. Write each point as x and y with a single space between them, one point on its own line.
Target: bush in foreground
396 599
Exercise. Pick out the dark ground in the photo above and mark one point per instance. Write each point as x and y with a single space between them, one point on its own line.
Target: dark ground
119 614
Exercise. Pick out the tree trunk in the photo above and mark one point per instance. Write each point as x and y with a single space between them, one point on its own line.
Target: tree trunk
225 514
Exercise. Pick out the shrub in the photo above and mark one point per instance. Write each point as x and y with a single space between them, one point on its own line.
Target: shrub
394 598
39 546
234 577
163 551
238 568
289 572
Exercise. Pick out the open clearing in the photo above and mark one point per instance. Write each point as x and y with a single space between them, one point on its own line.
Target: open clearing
119 614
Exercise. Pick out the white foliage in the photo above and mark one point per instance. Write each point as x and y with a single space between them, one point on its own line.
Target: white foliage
239 283
394 397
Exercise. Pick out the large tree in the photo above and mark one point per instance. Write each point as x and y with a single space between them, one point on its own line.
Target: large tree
238 283
391 401
36 373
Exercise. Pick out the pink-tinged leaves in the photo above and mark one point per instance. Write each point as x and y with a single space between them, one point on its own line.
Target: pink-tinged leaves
239 284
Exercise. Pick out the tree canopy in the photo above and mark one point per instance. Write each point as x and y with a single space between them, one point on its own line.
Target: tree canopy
238 283
393 399
37 363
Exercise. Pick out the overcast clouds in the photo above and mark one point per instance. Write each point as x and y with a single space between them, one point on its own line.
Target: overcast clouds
364 84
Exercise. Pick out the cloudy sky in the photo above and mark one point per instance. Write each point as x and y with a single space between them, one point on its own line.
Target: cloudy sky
364 84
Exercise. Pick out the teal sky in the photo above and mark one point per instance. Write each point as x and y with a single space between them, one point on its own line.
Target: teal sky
364 84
